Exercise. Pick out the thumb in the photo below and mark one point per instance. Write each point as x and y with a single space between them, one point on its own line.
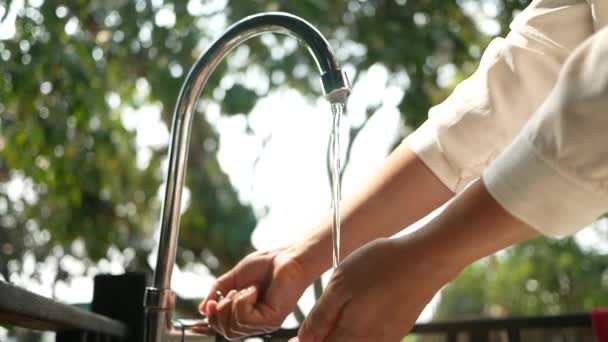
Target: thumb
321 319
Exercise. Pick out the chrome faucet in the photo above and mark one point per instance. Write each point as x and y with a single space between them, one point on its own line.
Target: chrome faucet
159 300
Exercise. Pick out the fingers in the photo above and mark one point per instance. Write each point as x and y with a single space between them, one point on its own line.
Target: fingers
342 330
323 317
203 328
257 297
221 316
235 316
253 269
249 317
212 314
243 308
224 313
223 284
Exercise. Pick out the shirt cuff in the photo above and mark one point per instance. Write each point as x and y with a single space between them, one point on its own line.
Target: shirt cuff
538 193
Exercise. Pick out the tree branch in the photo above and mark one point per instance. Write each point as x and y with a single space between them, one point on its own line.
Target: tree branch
7 6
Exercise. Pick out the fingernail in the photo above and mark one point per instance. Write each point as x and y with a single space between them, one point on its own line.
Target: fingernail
294 339
250 289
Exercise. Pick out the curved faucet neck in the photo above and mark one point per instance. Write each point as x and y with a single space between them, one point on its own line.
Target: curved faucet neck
335 85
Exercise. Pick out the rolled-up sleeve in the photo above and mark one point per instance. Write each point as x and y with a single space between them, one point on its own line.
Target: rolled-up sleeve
554 176
467 131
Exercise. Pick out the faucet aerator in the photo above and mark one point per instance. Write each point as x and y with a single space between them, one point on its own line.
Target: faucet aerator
336 86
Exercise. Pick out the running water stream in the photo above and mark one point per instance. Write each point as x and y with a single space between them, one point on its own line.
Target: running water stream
337 110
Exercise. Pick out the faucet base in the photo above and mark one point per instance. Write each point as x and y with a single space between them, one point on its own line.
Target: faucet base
159 305
161 299
159 328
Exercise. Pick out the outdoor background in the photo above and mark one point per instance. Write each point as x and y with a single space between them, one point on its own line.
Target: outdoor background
87 89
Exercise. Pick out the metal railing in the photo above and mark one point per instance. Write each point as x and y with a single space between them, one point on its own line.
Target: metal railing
478 330
486 329
117 316
116 313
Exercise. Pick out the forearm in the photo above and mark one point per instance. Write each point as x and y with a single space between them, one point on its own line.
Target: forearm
472 226
399 194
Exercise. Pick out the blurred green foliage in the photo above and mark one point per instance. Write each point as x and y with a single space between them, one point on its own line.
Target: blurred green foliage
72 69
412 38
538 277
61 71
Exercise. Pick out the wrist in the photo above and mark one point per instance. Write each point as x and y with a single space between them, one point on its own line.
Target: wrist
309 256
443 265
471 227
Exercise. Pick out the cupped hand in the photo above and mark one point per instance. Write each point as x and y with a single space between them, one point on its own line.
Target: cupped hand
376 294
260 291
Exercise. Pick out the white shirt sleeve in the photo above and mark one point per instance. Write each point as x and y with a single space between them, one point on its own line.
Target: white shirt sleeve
484 113
554 176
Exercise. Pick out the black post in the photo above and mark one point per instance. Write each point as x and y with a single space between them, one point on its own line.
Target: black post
452 336
514 334
478 335
121 297
71 336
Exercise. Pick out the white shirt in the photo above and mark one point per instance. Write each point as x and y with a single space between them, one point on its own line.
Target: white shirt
533 119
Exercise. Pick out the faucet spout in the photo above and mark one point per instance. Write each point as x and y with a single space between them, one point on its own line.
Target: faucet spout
159 301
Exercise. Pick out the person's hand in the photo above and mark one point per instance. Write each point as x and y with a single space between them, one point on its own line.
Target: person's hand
259 293
376 294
